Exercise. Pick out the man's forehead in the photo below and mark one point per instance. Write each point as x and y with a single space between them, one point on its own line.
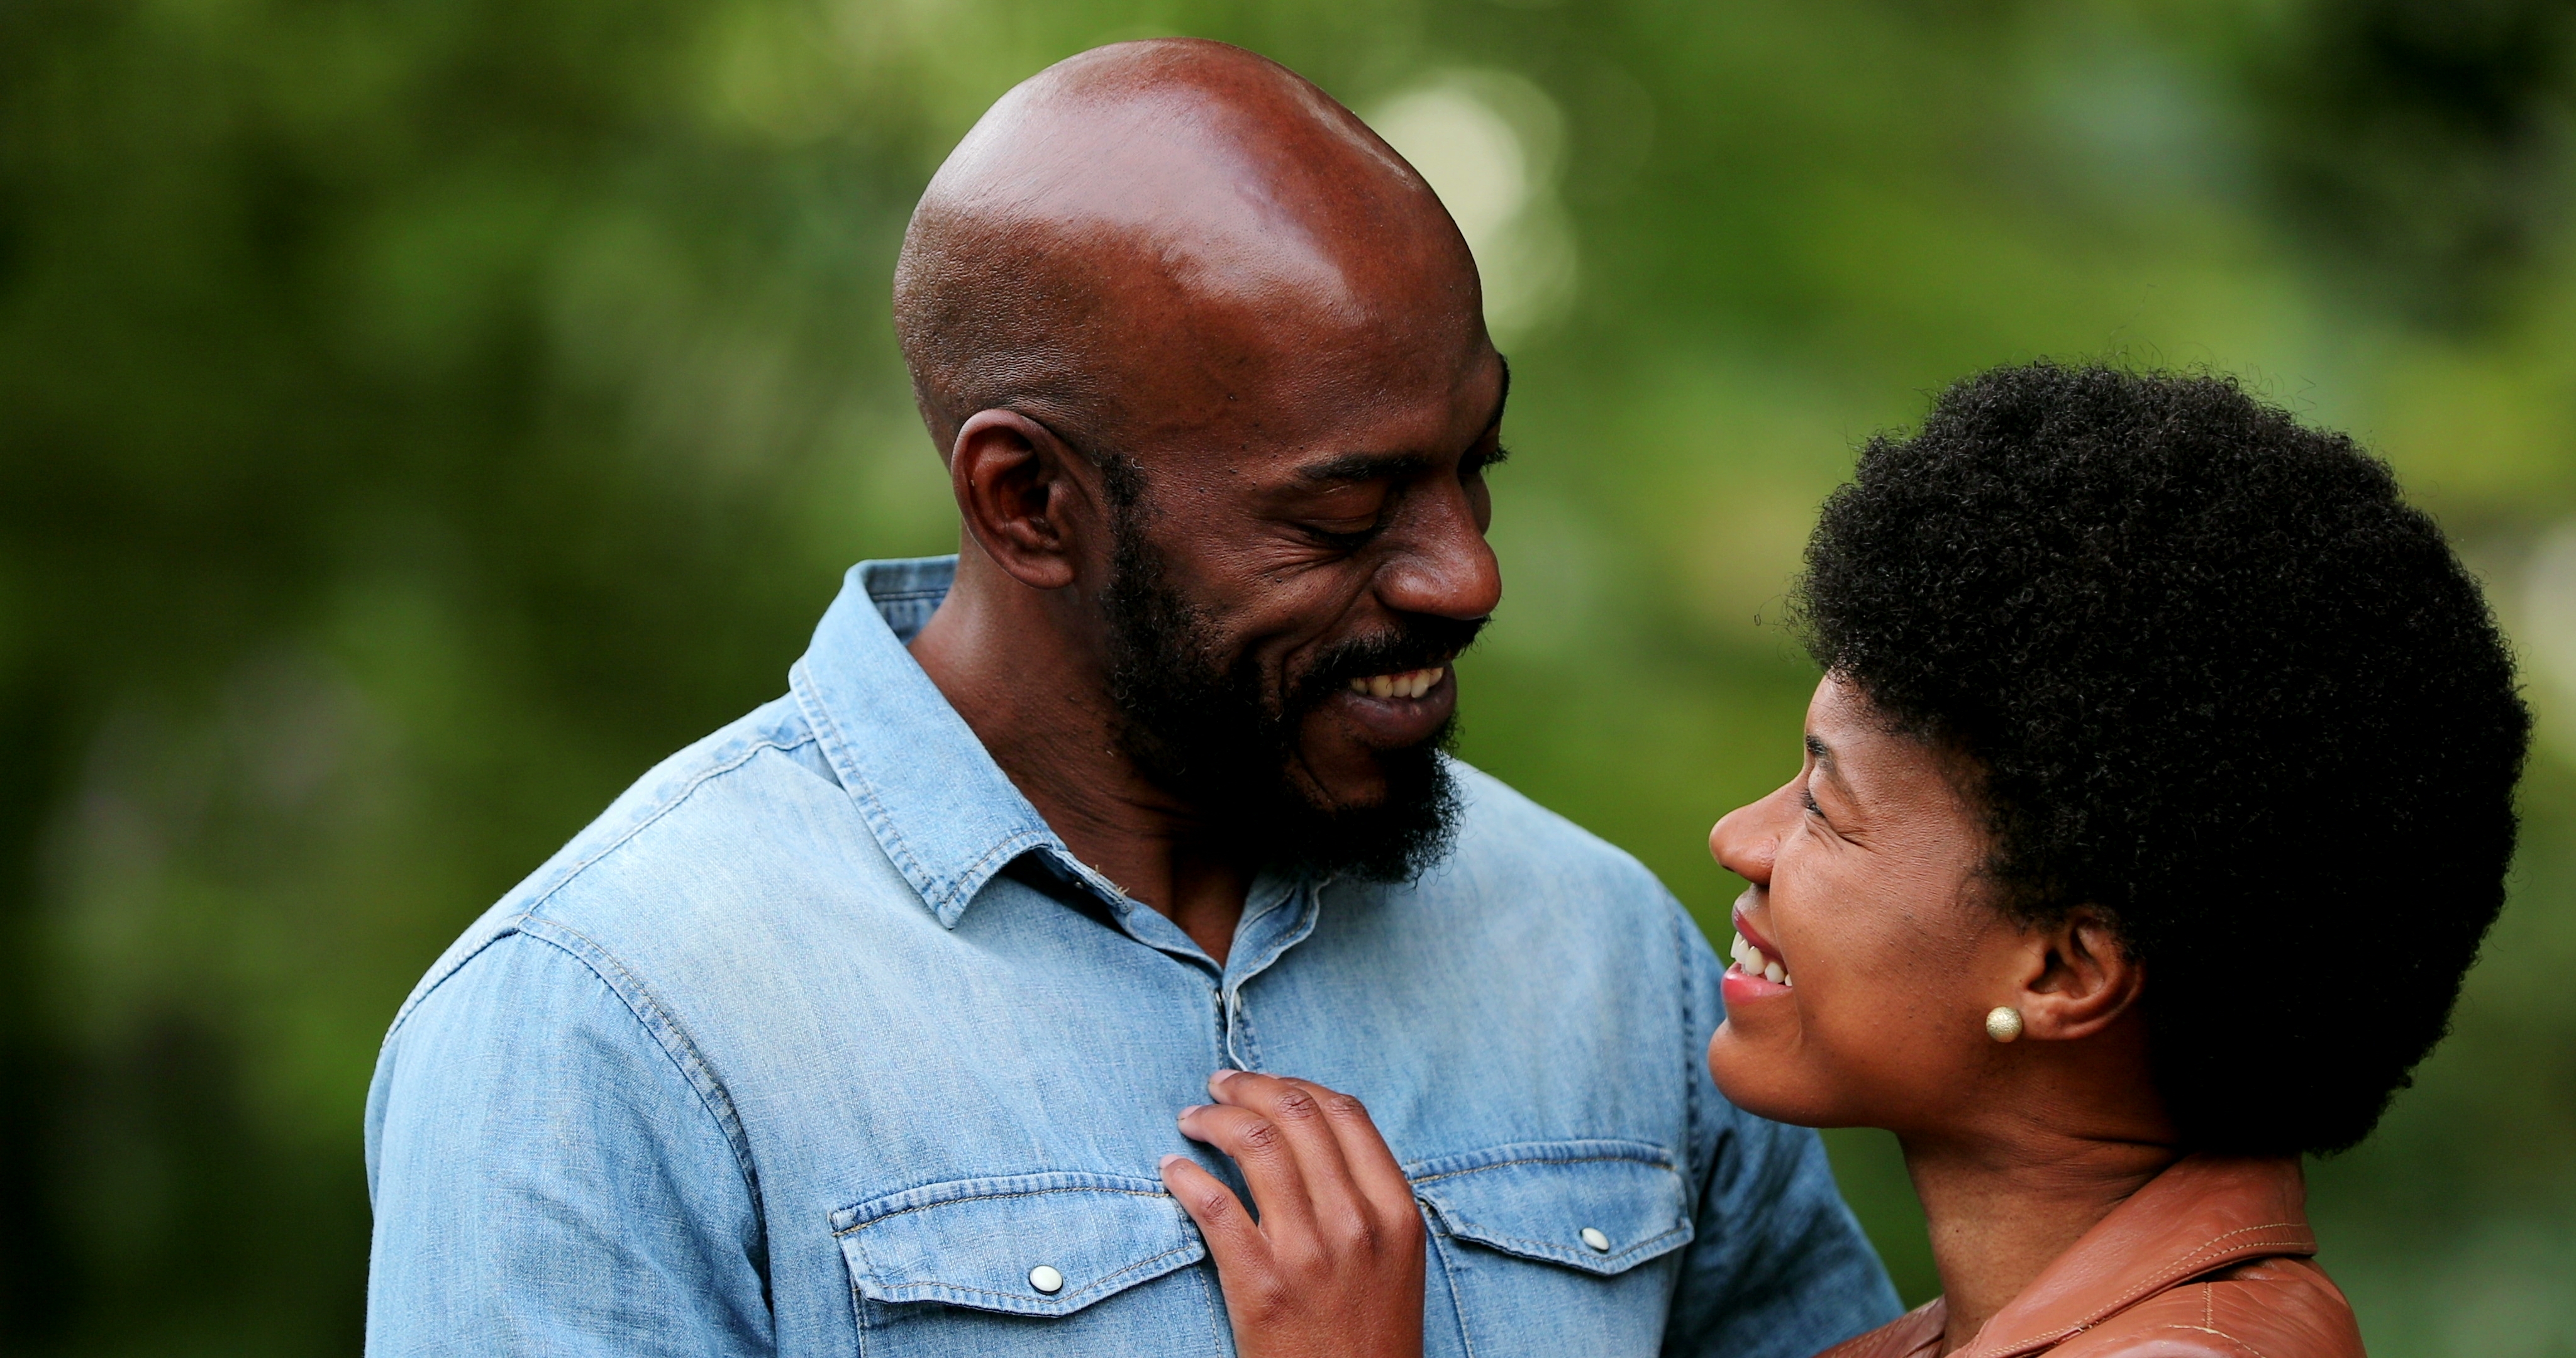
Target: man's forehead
1313 435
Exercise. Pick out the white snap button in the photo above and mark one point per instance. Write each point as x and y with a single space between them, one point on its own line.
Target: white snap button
1600 1243
1049 1281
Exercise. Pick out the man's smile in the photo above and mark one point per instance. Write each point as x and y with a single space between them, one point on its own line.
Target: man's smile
1399 708
1401 684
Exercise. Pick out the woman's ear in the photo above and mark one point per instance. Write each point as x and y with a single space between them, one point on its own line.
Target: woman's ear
2080 980
1022 495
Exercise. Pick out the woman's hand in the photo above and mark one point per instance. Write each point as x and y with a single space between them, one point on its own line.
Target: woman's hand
1334 1267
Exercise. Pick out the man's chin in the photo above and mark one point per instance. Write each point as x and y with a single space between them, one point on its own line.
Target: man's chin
1401 825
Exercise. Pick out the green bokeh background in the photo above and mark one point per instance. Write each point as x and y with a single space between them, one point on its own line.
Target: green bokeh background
417 416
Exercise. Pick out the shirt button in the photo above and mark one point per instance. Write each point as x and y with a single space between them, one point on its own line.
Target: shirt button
1049 1281
1600 1243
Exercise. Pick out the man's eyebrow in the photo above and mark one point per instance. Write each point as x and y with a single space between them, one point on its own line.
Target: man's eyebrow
1396 466
1365 467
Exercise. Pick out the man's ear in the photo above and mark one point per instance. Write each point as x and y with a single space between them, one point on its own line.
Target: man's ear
1022 495
2079 980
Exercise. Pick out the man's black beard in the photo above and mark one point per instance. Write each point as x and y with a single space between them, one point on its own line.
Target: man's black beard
1205 732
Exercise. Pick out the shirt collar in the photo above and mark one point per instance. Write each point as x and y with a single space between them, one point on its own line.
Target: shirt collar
946 814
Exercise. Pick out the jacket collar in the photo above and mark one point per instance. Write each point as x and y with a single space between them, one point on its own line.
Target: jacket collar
2204 1213
946 814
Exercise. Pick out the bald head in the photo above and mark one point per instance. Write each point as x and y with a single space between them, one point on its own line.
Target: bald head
1141 234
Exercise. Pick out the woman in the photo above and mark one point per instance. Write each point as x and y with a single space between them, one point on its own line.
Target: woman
2156 797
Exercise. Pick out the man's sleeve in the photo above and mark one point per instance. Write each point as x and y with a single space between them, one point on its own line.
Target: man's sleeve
548 1179
1779 1268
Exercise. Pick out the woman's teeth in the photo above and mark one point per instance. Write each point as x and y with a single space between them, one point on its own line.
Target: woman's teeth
1407 684
1756 962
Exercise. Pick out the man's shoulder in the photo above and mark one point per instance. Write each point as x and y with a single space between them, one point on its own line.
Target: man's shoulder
1505 836
696 791
1513 849
713 810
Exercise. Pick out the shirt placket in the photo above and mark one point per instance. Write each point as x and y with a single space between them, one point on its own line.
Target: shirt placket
1279 913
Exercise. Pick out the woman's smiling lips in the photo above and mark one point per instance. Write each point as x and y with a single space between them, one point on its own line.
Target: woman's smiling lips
1758 973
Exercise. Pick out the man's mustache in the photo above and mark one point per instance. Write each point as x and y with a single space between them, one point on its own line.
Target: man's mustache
1419 643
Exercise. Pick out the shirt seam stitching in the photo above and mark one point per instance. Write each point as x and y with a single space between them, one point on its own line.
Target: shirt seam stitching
431 986
1541 1160
1488 1235
572 874
1087 1289
858 1226
690 1064
1694 1114
1457 1301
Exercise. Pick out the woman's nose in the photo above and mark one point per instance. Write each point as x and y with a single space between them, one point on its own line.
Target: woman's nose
1742 843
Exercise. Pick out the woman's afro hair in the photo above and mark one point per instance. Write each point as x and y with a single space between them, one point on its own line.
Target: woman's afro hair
2216 678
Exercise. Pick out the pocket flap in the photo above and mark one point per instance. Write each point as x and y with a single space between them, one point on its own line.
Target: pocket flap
978 1242
1599 1206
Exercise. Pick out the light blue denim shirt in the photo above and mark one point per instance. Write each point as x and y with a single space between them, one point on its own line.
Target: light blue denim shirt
819 1042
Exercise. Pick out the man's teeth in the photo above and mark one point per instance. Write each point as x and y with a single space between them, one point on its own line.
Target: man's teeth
1408 684
1756 962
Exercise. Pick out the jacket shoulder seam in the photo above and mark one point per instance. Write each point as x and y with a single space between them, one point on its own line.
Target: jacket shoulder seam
2236 1341
2210 1253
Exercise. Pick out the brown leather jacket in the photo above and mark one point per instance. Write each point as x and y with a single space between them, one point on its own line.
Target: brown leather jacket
2210 1258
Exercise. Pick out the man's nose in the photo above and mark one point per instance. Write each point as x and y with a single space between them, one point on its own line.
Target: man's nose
1447 569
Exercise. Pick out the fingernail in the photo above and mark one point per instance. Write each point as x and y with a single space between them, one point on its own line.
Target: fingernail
1167 1161
1192 1109
1223 1075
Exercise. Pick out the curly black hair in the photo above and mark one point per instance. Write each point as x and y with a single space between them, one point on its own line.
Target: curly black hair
2214 676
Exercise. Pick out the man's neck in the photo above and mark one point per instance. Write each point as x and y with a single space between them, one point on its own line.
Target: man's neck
2001 1209
1042 710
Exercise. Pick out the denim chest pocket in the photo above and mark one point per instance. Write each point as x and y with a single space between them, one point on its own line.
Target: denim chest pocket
1053 1263
1556 1247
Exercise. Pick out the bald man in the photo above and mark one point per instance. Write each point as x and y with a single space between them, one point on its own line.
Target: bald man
860 1026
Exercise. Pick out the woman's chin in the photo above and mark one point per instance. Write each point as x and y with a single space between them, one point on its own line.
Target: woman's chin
1761 1078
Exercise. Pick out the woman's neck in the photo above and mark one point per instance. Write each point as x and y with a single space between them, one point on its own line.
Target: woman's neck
2003 1209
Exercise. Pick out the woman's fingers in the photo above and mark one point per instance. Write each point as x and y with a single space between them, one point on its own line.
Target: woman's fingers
1335 1263
1371 1164
1232 1239
1271 1169
1297 1108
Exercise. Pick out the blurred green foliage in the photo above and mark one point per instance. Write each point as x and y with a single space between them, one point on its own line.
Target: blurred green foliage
416 418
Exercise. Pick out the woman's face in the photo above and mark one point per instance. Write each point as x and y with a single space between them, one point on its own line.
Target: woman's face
1866 898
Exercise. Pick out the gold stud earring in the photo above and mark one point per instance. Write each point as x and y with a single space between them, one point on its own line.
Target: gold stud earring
2003 1023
